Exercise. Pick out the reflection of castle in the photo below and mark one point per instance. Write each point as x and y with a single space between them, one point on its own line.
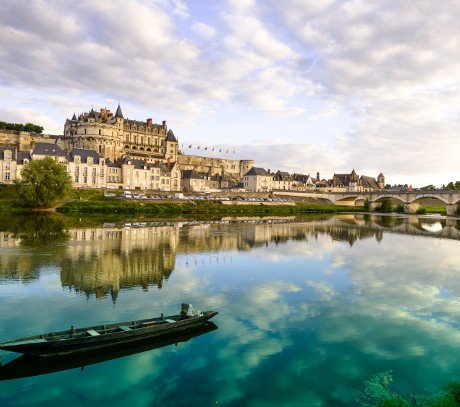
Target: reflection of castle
106 260
103 260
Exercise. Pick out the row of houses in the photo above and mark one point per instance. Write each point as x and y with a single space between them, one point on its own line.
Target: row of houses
87 169
260 180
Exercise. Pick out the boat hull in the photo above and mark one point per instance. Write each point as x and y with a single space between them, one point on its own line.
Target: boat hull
31 365
62 343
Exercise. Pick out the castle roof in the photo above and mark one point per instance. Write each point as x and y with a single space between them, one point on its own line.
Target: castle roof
118 113
74 118
170 136
48 149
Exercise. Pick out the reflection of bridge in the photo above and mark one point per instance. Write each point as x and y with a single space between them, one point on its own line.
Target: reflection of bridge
409 199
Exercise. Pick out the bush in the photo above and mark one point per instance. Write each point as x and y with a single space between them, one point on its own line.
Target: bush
387 206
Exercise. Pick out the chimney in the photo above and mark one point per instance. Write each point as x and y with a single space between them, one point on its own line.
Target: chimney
317 176
268 170
149 120
164 124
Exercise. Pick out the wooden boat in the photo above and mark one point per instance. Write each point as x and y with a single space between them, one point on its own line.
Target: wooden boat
31 365
101 336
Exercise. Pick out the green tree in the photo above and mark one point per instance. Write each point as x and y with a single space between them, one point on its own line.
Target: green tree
43 182
367 205
387 205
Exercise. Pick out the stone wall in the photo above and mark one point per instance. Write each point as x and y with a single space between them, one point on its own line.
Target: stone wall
24 140
214 166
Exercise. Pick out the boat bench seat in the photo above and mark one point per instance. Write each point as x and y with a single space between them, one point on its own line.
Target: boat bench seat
170 320
92 332
124 328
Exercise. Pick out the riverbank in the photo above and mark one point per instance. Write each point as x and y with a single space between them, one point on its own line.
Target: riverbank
93 202
190 208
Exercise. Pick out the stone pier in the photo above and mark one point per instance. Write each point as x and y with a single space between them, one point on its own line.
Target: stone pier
451 209
411 207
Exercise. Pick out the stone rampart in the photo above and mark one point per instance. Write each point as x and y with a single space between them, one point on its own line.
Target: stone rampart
214 166
24 140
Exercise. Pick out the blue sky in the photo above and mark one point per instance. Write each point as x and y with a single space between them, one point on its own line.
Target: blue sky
296 85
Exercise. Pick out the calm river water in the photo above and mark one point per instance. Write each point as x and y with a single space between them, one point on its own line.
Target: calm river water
310 311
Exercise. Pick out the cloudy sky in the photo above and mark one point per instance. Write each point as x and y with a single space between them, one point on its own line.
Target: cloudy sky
297 85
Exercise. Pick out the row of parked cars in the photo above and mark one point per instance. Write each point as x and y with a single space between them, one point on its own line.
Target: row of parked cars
130 195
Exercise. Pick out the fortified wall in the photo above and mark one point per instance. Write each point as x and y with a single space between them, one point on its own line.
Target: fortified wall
24 140
214 166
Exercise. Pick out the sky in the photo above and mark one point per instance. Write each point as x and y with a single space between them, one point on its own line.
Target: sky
301 86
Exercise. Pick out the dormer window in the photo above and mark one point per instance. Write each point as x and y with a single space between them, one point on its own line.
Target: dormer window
77 159
90 160
7 155
25 161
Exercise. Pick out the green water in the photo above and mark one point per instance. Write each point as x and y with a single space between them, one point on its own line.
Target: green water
309 310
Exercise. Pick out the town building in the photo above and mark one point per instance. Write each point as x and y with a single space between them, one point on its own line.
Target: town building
193 181
258 180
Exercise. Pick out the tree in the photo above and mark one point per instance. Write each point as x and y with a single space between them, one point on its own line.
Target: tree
367 205
387 205
43 182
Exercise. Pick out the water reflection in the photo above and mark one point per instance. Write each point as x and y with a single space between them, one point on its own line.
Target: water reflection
103 260
313 307
28 365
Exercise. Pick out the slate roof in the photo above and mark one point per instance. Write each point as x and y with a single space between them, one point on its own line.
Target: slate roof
48 149
84 153
118 113
282 176
170 136
2 152
23 155
369 182
258 171
109 163
191 174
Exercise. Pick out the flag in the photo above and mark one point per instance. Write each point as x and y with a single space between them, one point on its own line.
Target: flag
213 149
206 148
226 152
220 150
198 148
190 146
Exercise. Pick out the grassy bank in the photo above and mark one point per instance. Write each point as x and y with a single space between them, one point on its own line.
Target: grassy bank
177 208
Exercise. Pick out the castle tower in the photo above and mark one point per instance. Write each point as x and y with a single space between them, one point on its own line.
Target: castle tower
381 181
171 146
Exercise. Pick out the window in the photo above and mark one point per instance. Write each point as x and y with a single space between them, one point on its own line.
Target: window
7 166
7 176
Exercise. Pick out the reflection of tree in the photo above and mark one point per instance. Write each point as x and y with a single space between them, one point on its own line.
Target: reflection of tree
40 230
102 261
33 232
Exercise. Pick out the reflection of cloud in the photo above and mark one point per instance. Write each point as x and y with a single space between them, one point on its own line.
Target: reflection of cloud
324 289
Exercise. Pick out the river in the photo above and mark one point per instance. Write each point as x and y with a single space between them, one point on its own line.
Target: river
312 312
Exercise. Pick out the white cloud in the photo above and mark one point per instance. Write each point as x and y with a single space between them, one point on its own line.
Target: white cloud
204 30
392 68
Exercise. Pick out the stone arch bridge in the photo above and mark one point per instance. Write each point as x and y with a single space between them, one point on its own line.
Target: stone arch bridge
410 200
